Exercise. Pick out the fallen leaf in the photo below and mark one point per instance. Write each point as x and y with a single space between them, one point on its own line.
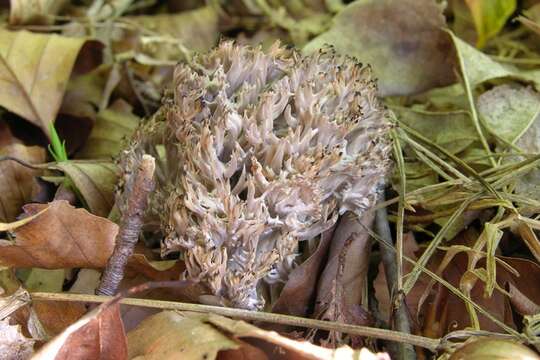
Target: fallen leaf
169 335
299 290
167 38
17 181
112 129
13 344
528 185
340 288
293 349
493 349
95 181
44 280
97 335
402 40
34 77
509 110
478 67
60 237
35 12
489 17
12 303
452 130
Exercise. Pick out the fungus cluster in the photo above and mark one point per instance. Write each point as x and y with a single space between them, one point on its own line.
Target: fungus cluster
258 151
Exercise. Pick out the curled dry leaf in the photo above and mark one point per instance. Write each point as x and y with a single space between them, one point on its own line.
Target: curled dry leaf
170 334
33 76
402 40
97 335
59 237
342 283
16 181
95 181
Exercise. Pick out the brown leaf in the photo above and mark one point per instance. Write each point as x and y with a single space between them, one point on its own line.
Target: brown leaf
98 335
16 180
402 40
410 247
60 237
300 288
342 282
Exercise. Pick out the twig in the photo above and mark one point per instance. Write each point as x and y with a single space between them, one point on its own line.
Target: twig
130 226
424 342
21 162
401 317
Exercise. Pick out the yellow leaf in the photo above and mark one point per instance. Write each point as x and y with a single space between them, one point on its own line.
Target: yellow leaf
23 12
34 70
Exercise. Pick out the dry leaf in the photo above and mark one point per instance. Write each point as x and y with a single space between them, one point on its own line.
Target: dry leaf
13 344
340 288
113 126
33 75
95 181
299 290
402 40
98 335
60 237
169 335
16 180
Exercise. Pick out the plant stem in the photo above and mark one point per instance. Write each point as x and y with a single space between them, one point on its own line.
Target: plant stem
424 342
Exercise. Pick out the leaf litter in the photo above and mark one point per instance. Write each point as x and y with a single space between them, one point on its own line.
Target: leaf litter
461 81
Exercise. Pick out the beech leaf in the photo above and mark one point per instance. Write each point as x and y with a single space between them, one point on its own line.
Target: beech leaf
33 76
61 237
97 335
16 180
402 40
113 126
95 181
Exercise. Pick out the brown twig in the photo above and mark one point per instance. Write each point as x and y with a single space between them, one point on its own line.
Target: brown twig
130 226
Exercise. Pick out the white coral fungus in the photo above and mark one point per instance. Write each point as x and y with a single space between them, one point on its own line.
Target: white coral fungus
268 149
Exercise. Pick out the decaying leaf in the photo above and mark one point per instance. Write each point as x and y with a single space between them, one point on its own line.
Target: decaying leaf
60 237
13 344
341 286
112 128
97 335
402 40
94 180
33 76
171 37
16 180
169 334
509 110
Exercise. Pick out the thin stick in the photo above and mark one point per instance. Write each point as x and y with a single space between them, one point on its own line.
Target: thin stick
424 342
130 226
401 317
